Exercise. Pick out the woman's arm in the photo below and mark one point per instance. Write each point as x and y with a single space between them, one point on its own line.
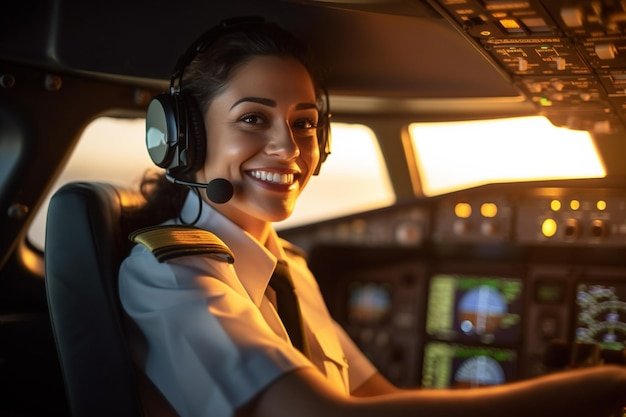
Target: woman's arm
377 384
589 392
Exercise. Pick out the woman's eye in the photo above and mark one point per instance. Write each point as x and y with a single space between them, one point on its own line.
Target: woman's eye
253 119
305 124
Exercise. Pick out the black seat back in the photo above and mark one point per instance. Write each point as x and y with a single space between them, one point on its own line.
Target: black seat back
86 240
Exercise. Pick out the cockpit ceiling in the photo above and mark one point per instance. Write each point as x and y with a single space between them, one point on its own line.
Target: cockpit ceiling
398 49
562 59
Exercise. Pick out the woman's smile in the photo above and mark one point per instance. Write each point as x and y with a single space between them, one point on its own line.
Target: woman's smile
275 179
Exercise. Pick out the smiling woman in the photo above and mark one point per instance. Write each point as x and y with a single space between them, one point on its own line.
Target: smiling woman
346 185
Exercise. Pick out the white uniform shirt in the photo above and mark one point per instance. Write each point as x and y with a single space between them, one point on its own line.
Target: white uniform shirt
213 338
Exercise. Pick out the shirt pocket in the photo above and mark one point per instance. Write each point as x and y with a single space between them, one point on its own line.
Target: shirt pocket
334 360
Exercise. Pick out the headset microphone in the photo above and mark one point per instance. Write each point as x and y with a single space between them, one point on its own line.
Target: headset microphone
219 190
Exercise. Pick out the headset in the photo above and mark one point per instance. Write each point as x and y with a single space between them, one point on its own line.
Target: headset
175 131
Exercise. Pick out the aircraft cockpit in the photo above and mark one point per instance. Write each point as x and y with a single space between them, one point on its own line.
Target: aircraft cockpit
468 228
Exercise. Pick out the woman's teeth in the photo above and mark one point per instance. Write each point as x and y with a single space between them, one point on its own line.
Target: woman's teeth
273 177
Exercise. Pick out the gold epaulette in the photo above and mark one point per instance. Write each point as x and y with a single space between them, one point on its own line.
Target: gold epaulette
172 241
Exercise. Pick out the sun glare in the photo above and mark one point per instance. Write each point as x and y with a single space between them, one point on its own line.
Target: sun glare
458 155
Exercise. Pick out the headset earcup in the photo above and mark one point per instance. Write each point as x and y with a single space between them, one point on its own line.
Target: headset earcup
194 153
323 136
162 130
323 133
175 135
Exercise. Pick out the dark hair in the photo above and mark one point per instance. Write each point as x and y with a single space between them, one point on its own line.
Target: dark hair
210 71
206 76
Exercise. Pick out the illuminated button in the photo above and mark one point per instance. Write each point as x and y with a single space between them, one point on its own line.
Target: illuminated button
601 205
555 205
511 26
488 210
463 210
545 102
548 227
574 204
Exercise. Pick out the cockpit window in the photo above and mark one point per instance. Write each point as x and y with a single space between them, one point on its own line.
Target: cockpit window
354 177
110 150
459 155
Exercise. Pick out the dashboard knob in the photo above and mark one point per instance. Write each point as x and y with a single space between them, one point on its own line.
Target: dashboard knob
460 227
488 228
561 63
606 51
572 228
598 229
572 16
522 64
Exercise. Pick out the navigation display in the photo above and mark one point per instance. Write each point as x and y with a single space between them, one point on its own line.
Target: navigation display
448 365
601 314
369 303
481 309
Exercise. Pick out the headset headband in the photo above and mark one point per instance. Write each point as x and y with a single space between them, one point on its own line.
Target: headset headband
204 41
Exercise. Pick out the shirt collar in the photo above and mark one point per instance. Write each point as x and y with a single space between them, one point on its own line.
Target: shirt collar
254 263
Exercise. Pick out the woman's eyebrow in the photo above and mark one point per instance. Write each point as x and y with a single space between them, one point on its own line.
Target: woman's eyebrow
271 103
304 106
260 100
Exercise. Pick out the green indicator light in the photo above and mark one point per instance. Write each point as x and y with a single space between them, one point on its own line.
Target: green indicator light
545 101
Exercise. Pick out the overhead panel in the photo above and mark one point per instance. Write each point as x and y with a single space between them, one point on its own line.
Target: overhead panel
568 57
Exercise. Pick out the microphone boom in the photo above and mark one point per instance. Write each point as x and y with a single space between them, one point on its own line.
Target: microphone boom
218 190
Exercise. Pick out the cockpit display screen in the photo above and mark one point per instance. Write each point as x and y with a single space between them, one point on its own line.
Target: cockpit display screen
478 309
369 303
601 314
449 365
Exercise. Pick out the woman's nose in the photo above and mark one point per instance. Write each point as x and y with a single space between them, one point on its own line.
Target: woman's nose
282 142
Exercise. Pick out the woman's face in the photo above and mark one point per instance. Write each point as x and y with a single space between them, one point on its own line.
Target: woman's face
262 137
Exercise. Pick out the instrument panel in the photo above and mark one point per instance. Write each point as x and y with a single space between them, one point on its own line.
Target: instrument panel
503 282
479 287
568 56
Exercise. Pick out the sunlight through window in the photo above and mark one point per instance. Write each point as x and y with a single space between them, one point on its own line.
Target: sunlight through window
458 155
354 178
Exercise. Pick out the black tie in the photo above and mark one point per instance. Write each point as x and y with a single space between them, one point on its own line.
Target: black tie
288 307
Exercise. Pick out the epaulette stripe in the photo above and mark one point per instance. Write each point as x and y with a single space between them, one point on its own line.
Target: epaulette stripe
167 242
